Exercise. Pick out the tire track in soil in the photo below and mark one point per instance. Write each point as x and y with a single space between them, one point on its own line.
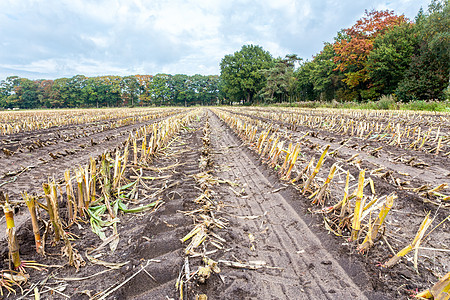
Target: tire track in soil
283 239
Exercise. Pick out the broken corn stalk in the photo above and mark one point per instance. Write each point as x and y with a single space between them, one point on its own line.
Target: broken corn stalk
52 200
414 245
440 291
13 245
359 204
71 204
316 170
31 204
304 171
320 195
292 161
288 155
47 192
373 230
79 178
262 139
93 170
344 207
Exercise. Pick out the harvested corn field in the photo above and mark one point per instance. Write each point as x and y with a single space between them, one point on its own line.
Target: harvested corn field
226 203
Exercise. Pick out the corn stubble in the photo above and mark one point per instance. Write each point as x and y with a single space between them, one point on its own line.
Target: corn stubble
96 193
342 218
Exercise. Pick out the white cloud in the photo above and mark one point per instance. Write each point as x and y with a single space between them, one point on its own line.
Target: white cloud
55 38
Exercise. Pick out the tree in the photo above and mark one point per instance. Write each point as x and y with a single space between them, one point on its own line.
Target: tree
324 76
241 74
25 93
159 89
319 79
144 82
428 74
7 94
177 86
279 79
130 90
44 91
391 57
305 86
356 43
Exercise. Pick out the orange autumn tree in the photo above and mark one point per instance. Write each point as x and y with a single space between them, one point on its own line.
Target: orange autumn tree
354 47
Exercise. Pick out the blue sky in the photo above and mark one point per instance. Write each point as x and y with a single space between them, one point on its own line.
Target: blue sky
62 38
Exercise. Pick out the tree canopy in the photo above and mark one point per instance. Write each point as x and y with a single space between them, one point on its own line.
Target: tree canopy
241 73
109 91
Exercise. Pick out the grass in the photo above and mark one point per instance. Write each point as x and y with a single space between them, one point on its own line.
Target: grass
384 103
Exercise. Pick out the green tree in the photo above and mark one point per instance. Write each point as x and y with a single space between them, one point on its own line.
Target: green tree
391 57
428 74
279 79
159 89
319 79
26 93
130 90
241 74
305 86
177 86
7 94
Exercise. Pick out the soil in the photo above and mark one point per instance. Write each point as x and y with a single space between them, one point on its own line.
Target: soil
267 222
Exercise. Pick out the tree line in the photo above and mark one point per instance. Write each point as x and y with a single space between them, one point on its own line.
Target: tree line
381 54
109 91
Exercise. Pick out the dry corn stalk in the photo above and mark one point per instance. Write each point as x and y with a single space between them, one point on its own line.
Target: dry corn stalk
52 199
345 206
50 209
261 140
13 245
135 150
305 171
71 203
316 170
277 153
414 245
198 235
79 178
93 180
288 155
373 230
266 148
31 204
440 291
321 193
117 173
292 160
359 205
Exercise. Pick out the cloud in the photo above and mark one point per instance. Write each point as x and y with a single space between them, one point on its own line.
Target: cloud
56 38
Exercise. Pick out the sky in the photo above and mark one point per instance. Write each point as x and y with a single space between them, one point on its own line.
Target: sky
48 39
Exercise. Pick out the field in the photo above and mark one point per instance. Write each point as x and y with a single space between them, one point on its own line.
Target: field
224 203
